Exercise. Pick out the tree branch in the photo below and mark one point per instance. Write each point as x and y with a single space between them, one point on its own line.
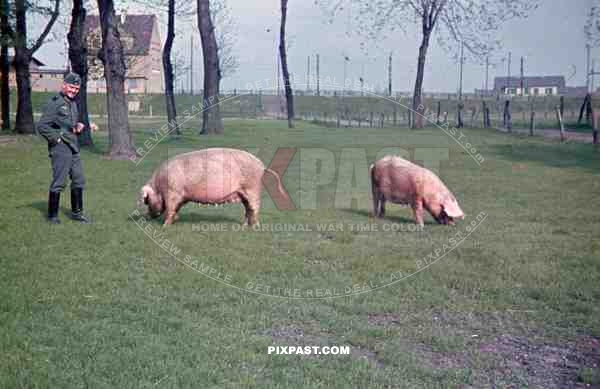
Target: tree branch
44 34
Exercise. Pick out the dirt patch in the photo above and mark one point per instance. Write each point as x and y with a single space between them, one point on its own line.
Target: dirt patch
500 349
7 140
544 365
385 320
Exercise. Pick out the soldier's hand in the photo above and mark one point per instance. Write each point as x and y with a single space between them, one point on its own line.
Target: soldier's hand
79 127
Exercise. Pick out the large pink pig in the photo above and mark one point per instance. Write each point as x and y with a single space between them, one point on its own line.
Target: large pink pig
399 181
212 176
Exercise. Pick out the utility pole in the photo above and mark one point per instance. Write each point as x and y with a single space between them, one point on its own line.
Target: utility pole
307 73
278 61
192 65
587 79
346 59
462 59
362 79
318 91
508 76
487 68
522 78
460 87
593 73
390 75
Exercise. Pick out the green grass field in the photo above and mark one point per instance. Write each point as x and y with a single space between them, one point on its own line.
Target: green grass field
104 306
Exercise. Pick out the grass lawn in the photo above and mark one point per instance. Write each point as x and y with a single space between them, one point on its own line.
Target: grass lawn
103 306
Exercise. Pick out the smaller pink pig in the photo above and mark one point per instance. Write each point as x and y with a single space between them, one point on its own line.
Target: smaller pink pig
399 181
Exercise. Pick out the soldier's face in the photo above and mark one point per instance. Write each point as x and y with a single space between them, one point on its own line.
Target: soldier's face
70 90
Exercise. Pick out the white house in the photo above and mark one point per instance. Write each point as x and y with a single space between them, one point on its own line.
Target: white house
532 86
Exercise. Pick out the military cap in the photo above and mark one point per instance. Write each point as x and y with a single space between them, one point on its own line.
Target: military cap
72 78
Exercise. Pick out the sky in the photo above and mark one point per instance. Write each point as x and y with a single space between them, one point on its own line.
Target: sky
550 39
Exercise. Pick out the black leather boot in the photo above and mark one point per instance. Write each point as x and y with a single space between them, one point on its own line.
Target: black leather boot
77 206
53 203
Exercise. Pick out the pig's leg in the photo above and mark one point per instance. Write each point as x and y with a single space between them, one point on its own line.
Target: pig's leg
378 204
252 206
375 194
173 204
381 207
418 210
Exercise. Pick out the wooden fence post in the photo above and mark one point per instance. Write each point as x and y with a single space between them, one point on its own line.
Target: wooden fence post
560 124
484 108
507 118
595 119
583 107
532 123
588 111
562 106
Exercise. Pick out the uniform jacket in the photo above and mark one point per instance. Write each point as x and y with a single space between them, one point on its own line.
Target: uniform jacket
58 120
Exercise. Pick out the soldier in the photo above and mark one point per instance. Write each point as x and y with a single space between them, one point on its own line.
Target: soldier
60 127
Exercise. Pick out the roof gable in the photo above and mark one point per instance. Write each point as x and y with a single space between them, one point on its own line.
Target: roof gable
529 82
137 27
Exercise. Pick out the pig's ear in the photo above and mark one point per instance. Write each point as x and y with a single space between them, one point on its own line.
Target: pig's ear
147 191
452 208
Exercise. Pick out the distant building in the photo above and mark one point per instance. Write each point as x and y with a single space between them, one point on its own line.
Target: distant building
142 48
532 86
42 79
575 91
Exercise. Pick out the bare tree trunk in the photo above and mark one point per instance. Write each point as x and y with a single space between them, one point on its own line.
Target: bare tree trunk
5 33
418 107
24 122
168 70
289 97
211 115
111 54
79 65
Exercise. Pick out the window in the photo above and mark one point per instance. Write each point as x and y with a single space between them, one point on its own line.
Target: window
536 91
512 91
127 40
549 91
